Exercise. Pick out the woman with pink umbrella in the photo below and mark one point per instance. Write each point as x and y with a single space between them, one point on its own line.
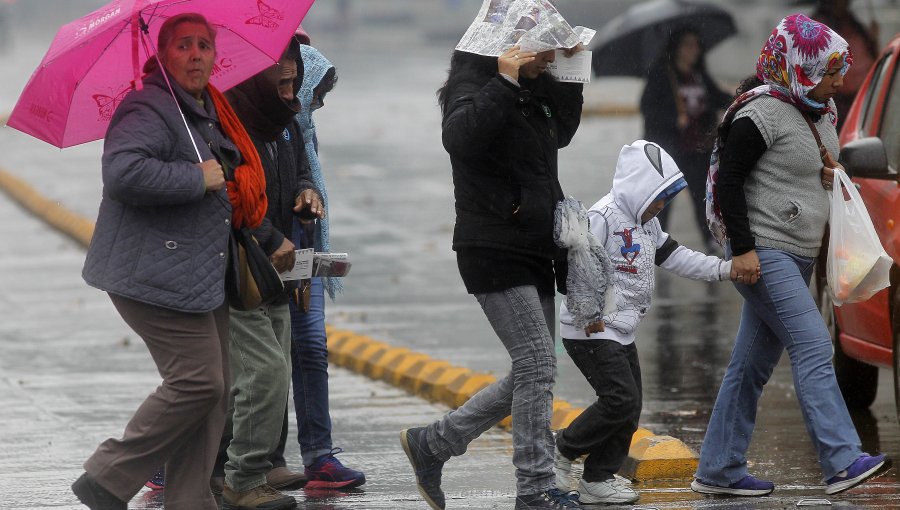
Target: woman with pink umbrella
161 249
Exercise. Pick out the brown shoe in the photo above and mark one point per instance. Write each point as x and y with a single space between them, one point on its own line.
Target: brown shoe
263 497
284 478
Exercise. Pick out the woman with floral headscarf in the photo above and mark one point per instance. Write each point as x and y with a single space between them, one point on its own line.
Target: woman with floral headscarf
768 203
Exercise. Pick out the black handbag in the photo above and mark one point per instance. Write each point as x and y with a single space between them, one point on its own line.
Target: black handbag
252 281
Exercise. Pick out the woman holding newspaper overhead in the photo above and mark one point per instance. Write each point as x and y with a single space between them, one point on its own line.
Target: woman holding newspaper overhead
504 119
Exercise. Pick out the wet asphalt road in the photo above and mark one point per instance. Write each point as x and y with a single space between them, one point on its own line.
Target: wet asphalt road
72 373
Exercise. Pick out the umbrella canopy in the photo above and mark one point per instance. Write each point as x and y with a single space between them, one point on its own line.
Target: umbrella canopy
95 61
630 42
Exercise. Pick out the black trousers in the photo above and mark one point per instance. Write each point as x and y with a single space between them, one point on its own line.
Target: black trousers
603 431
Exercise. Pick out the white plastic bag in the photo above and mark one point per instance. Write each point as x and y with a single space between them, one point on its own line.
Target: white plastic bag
858 267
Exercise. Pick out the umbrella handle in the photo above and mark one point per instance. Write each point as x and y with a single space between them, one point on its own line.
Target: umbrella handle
136 20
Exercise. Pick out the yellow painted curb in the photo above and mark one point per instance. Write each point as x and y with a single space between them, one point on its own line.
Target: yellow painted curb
657 457
376 368
73 225
394 370
342 352
360 357
434 386
650 457
463 388
412 379
641 433
564 416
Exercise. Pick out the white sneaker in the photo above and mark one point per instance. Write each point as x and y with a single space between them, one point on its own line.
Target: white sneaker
563 469
606 492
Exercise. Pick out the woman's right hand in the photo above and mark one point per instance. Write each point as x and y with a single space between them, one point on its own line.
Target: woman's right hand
213 176
512 59
745 268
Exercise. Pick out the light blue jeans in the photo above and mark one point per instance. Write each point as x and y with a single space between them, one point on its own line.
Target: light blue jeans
778 313
525 323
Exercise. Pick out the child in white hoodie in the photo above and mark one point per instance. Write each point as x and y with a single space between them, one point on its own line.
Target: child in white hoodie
624 221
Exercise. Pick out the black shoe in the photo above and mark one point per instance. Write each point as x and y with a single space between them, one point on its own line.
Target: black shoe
427 467
96 497
553 499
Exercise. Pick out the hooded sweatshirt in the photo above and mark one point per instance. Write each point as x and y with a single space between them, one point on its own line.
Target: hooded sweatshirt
315 68
643 172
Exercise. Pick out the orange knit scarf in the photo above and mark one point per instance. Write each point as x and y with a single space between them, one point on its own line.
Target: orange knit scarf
247 192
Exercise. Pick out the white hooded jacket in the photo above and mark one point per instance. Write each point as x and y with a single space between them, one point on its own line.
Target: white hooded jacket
643 171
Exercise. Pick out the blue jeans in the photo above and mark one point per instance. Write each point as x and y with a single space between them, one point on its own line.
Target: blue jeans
778 313
525 323
309 361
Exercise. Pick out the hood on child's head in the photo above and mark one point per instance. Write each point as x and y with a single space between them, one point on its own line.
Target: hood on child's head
643 171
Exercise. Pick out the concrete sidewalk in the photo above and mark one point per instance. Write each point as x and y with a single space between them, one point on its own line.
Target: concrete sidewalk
72 373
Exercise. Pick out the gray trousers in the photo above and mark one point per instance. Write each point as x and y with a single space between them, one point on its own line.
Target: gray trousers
180 424
261 378
525 323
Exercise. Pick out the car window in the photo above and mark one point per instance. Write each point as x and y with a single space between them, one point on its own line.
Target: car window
872 94
890 122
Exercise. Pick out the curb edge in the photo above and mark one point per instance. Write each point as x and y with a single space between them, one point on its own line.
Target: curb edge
650 456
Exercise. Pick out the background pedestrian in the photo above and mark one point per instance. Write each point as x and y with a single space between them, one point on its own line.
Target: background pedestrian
680 105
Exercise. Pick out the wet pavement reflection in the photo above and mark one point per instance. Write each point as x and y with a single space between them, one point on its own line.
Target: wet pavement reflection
71 373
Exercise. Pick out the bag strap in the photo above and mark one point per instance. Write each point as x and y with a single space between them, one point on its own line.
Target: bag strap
815 132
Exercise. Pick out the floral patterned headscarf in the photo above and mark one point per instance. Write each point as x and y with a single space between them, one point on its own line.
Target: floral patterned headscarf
793 61
796 56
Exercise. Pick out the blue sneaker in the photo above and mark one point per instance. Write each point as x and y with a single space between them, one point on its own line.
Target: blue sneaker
427 466
746 486
862 469
554 499
327 472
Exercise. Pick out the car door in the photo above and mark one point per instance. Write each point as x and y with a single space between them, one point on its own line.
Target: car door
866 331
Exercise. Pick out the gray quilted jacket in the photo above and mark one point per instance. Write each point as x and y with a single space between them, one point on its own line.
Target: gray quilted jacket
160 238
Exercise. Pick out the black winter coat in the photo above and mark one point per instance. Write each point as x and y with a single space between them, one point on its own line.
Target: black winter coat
660 110
503 144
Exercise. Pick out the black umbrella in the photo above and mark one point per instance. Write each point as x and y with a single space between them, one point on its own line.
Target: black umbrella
629 43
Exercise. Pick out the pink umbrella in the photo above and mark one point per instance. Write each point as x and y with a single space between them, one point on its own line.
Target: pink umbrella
95 61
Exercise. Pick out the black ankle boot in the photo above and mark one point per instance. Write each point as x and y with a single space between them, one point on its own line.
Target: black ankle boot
95 496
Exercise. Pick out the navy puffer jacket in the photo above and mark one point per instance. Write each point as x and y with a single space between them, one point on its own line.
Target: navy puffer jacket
160 238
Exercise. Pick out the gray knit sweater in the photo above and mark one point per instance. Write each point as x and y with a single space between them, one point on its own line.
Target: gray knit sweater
787 206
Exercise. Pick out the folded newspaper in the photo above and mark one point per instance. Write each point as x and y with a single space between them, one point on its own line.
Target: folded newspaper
535 25
309 263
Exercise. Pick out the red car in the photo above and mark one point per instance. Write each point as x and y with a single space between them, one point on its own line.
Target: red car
866 334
